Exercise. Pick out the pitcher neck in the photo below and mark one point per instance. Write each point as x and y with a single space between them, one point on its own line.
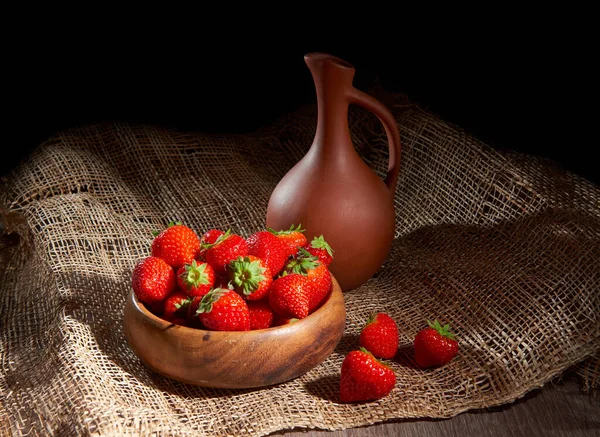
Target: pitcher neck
333 80
332 118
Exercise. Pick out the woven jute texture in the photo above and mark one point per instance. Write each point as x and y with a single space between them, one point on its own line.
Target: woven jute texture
504 247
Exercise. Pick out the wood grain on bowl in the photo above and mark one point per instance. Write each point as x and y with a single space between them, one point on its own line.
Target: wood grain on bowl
235 359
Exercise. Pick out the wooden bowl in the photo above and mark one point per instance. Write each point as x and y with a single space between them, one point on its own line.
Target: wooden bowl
235 359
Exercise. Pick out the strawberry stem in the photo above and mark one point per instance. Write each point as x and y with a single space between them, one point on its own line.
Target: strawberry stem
302 263
221 238
206 304
291 230
371 318
444 331
362 349
194 275
171 223
320 243
246 274
184 302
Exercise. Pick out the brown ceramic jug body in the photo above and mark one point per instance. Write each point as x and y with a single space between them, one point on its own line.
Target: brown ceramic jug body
331 191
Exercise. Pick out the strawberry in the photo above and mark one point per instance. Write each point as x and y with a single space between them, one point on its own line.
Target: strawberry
268 247
208 238
226 248
319 285
224 310
250 277
317 274
289 296
364 378
435 345
293 238
261 314
321 249
152 280
177 245
196 279
175 306
380 336
191 318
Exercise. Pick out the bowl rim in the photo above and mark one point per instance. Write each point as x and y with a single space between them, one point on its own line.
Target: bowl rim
164 324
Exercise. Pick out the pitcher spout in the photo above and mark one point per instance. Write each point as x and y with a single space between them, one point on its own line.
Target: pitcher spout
326 68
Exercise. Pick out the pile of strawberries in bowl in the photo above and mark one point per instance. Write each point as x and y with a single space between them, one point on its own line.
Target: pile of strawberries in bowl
220 281
224 282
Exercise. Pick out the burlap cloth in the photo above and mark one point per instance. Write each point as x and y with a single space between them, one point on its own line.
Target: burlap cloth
504 247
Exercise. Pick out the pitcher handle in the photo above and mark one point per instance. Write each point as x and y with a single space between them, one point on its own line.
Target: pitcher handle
391 130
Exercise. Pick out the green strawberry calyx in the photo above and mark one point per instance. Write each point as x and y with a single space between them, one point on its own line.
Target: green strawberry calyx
220 239
246 274
362 349
320 243
183 303
444 331
372 318
171 224
291 230
302 263
194 275
206 304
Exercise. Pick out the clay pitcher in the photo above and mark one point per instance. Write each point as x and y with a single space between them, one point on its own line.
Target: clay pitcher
331 191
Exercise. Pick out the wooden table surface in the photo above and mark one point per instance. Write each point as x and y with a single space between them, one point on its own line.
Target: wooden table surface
558 409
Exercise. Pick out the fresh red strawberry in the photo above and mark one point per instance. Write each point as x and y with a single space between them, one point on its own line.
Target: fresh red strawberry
321 249
179 321
317 274
435 345
224 310
364 378
196 279
268 247
208 239
175 306
177 245
293 238
289 296
226 248
261 314
380 336
250 277
301 262
320 283
211 236
192 319
152 280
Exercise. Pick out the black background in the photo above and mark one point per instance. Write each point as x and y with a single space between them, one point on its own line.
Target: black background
522 85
